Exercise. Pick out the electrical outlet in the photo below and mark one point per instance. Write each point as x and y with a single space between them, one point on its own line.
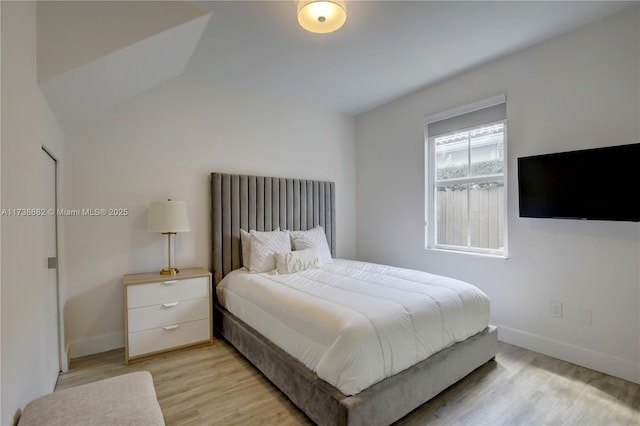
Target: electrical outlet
556 309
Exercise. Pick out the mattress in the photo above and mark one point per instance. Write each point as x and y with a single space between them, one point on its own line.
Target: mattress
356 323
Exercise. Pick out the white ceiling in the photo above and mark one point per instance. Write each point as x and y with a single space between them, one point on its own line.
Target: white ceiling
83 94
385 50
95 56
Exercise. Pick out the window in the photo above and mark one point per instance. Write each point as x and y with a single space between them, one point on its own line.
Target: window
466 178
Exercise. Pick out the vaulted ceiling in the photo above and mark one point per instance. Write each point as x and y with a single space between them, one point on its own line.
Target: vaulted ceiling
93 56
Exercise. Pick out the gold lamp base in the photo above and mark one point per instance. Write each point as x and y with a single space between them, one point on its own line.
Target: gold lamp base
169 270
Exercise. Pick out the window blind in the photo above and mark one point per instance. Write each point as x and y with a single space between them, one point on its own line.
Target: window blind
470 119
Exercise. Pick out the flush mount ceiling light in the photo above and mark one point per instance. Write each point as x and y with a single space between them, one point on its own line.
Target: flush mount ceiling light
322 16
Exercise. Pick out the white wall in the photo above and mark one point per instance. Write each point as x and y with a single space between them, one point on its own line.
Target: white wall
27 125
164 144
577 91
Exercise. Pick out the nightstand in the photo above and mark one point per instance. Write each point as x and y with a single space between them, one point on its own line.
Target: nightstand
166 312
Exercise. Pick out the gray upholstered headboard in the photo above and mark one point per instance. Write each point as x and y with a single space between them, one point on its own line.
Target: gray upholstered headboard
263 204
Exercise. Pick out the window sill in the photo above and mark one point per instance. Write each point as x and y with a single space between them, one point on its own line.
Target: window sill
472 253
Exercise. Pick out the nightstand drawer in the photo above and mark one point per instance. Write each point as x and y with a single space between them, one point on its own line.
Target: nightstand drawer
168 291
147 317
167 337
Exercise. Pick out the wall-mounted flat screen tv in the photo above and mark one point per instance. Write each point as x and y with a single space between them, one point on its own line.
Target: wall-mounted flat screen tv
596 184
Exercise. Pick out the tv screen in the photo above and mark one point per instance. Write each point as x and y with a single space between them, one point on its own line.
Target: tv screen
597 184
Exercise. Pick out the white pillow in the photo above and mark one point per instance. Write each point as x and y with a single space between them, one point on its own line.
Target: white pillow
264 246
295 261
245 239
313 238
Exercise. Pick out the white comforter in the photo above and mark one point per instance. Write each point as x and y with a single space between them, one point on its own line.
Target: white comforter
356 323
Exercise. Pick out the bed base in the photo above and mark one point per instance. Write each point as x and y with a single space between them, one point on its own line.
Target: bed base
380 404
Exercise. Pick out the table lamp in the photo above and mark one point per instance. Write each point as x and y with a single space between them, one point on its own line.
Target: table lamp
168 217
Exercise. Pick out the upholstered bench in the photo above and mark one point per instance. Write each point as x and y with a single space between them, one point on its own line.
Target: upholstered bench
129 399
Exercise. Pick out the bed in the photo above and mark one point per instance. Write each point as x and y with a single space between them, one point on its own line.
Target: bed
265 204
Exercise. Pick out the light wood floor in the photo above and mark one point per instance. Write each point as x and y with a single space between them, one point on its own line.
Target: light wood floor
216 385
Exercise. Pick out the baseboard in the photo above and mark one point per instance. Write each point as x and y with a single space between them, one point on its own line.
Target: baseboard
594 360
96 344
67 358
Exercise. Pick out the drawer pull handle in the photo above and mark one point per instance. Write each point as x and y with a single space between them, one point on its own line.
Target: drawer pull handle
170 282
170 305
171 327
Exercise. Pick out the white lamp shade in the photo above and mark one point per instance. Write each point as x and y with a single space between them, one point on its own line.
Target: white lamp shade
168 216
322 16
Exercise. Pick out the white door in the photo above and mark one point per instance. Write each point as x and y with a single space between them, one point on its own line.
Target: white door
50 261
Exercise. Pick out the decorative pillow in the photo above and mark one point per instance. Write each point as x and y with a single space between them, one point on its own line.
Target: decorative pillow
263 249
313 238
295 261
245 239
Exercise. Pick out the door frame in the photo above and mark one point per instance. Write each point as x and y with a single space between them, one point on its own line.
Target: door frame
62 352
